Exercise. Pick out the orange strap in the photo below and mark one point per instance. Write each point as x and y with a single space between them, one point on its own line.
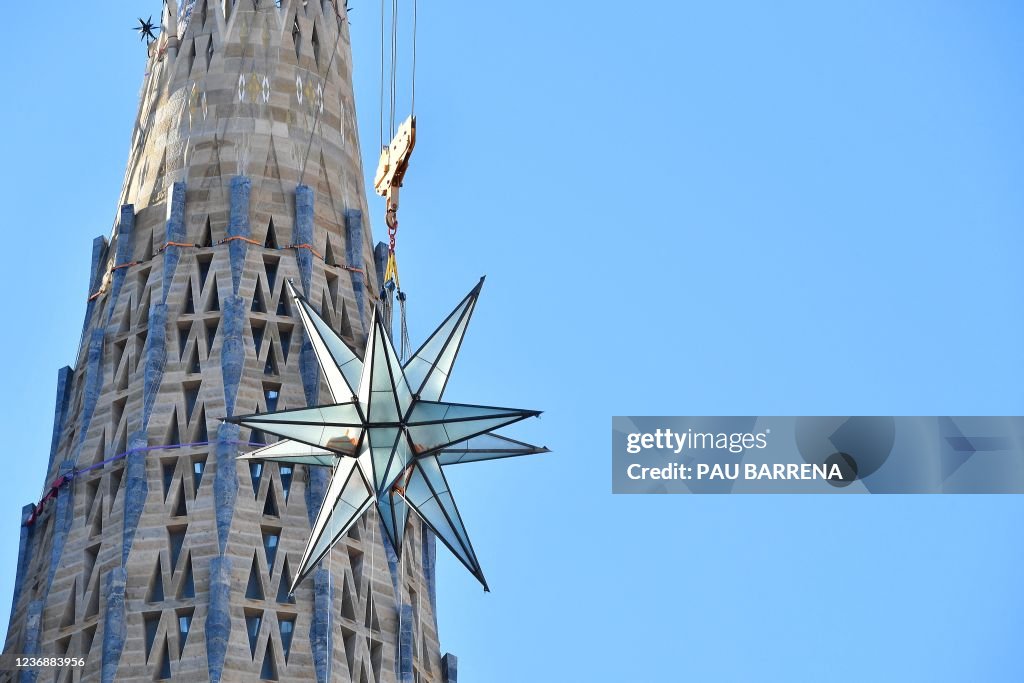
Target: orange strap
239 237
306 246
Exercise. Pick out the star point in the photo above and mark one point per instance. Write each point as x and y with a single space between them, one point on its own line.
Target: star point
388 434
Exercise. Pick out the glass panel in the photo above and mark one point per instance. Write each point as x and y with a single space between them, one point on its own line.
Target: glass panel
341 439
428 412
486 447
399 461
307 433
394 513
464 412
445 340
382 407
382 442
431 513
347 498
427 437
434 386
339 364
292 452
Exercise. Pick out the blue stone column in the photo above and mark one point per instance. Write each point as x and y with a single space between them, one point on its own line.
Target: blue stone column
114 627
96 269
238 226
218 619
175 233
136 490
405 672
354 256
225 480
33 625
320 628
156 358
24 557
449 668
64 510
232 351
303 234
123 256
93 384
429 562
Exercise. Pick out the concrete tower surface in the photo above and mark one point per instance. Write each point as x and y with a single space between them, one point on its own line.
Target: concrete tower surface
155 554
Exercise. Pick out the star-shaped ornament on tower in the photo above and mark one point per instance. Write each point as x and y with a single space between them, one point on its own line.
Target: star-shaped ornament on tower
387 434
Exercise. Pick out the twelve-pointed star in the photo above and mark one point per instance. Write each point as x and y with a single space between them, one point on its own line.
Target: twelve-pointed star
387 434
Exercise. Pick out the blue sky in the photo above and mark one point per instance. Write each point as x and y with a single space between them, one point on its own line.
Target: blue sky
681 208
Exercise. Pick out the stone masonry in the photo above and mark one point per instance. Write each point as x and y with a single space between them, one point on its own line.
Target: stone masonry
156 554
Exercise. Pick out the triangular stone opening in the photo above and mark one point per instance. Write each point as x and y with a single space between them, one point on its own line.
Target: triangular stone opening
163 662
371 620
257 336
183 330
68 617
284 333
167 468
283 588
184 626
355 561
286 628
180 508
287 473
271 241
190 304
327 309
204 263
115 481
150 624
258 304
90 555
176 539
88 636
348 602
351 646
255 473
201 433
269 670
270 266
206 239
329 254
156 584
173 433
191 391
252 629
270 506
93 607
214 304
198 468
254 587
187 587
270 367
271 539
211 334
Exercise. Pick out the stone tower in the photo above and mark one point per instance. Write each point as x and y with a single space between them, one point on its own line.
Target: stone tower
155 554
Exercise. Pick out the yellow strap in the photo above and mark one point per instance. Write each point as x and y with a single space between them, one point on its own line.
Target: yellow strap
391 271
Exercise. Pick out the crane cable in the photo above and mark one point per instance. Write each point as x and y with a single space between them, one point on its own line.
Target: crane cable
392 283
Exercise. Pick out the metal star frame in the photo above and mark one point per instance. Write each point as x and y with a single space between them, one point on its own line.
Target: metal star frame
387 434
